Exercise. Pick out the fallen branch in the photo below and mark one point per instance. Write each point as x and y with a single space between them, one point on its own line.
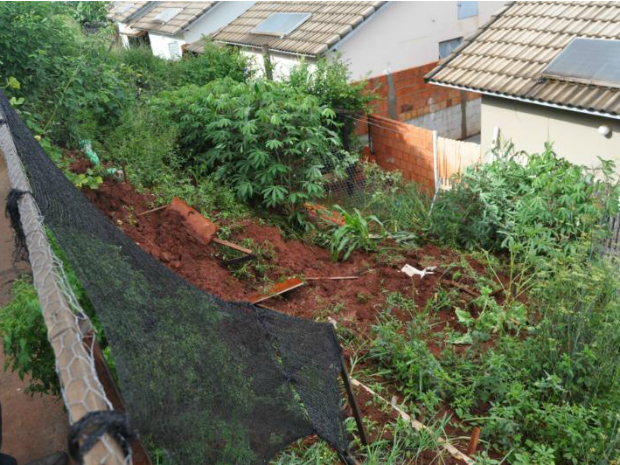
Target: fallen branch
457 454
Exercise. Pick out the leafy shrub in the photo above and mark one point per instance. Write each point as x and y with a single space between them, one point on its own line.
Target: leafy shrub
354 234
214 62
71 85
154 74
550 397
397 203
266 139
211 197
544 202
330 81
144 145
27 349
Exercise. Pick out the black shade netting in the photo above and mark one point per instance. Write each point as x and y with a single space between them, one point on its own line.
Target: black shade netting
207 381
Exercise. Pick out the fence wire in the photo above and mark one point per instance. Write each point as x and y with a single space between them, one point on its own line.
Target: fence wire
67 324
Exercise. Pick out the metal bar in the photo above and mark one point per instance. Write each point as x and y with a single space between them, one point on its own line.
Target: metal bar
82 392
353 402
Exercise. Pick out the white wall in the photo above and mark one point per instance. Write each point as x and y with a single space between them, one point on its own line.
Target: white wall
574 135
407 34
122 30
160 45
281 63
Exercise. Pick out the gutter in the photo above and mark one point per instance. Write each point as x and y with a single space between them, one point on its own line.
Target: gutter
255 47
526 100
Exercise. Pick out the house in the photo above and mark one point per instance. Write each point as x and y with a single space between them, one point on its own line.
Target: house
122 13
547 71
172 25
373 37
392 43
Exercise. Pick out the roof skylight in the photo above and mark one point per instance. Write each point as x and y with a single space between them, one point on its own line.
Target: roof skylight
587 61
281 24
167 14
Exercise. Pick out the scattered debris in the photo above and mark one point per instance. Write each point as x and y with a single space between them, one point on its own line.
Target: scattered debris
412 271
202 228
152 210
230 245
278 289
319 212
473 441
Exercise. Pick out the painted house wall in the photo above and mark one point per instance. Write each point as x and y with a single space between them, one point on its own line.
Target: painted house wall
407 34
217 17
281 63
160 45
122 29
574 135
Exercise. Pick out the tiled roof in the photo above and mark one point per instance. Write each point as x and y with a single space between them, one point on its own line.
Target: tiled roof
508 54
191 11
121 11
328 24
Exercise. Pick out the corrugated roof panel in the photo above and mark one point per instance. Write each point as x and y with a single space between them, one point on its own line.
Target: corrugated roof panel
509 54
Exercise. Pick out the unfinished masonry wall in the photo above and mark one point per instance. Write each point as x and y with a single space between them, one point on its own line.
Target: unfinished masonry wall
405 97
400 146
422 156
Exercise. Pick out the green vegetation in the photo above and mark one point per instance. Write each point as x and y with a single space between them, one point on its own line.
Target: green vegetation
540 200
25 343
269 141
528 353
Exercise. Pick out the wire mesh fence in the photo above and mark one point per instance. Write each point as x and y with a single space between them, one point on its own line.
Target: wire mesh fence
66 323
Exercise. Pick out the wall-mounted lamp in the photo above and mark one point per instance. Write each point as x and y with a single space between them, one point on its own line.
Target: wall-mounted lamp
604 130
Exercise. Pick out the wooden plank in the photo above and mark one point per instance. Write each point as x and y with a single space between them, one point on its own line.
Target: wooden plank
231 245
278 289
457 454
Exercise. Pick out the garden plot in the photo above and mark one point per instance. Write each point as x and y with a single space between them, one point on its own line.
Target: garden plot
354 306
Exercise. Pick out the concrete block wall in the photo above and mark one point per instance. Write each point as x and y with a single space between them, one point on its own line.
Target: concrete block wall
400 146
448 121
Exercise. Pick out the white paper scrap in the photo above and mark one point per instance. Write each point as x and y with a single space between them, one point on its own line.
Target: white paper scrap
412 271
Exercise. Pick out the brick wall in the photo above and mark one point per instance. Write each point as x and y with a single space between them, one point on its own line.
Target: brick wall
414 98
400 146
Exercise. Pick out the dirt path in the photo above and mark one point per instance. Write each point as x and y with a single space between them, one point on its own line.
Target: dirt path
33 427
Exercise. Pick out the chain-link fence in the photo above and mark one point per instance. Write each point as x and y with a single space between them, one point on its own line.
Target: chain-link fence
67 325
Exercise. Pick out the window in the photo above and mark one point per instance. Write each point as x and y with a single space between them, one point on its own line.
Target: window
447 47
174 49
167 15
588 61
467 9
281 24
